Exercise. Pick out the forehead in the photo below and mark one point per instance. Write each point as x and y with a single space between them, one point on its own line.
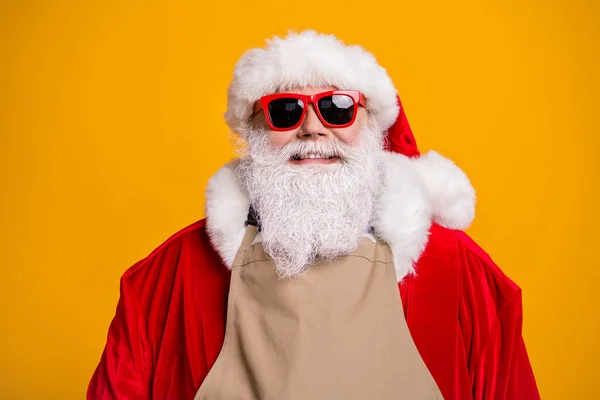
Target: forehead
308 89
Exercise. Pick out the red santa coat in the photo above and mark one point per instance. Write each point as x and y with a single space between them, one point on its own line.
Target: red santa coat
463 313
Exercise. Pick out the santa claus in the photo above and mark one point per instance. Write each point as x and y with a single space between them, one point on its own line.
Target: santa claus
331 264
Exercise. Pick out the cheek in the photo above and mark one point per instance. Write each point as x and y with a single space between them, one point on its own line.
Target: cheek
280 139
349 135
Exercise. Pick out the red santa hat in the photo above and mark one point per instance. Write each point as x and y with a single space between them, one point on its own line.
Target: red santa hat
313 59
400 138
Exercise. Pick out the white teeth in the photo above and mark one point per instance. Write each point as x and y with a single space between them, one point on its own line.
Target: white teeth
311 156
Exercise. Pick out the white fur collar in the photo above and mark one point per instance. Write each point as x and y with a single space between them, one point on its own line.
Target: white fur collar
416 192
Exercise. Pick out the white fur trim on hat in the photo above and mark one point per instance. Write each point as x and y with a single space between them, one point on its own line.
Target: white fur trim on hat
309 59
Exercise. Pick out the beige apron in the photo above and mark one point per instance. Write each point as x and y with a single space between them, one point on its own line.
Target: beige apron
335 332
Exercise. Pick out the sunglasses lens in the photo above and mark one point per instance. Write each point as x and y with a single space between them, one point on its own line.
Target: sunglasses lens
337 109
285 112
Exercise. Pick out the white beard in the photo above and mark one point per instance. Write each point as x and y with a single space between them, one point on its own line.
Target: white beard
311 213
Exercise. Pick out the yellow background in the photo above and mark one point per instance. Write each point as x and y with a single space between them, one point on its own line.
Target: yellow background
111 124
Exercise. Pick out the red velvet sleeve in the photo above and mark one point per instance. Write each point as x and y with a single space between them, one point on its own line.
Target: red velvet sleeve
124 370
503 370
491 320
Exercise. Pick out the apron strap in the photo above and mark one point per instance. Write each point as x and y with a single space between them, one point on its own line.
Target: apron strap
249 236
246 246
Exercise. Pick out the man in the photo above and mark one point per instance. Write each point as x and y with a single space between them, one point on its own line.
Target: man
330 264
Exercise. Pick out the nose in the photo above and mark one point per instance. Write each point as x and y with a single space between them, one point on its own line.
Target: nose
312 127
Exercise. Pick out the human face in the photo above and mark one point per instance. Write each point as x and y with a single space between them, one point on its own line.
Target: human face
312 128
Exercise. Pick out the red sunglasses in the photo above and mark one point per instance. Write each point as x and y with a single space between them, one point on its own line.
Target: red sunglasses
335 108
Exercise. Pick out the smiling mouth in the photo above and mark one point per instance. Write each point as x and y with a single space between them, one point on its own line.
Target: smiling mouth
314 159
313 156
